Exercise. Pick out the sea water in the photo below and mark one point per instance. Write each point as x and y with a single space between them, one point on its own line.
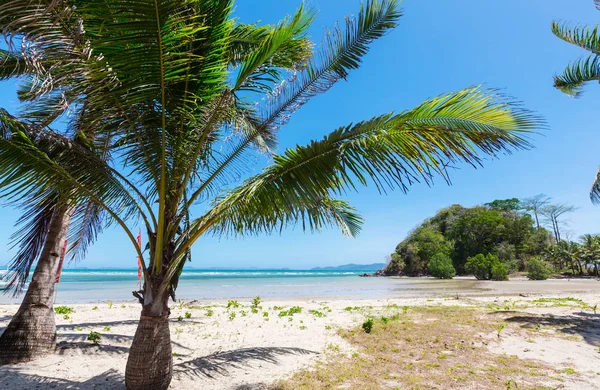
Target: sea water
101 285
87 285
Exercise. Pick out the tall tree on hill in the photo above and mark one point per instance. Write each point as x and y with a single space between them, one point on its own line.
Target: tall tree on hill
187 112
582 71
536 205
554 215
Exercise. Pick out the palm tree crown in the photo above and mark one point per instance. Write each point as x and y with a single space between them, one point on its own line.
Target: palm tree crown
582 71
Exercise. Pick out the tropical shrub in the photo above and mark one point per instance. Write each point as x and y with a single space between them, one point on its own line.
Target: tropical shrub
486 267
499 271
537 270
479 266
368 325
440 266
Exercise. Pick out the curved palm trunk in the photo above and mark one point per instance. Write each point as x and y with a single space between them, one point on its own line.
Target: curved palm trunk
150 361
32 331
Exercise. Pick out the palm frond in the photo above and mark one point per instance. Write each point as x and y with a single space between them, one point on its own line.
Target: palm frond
12 65
32 161
398 150
256 73
29 239
342 53
595 192
246 38
87 222
247 211
577 74
585 37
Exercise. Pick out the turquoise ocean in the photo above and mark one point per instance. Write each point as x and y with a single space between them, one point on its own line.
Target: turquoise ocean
100 285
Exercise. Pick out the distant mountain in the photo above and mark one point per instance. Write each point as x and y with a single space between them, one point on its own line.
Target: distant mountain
352 267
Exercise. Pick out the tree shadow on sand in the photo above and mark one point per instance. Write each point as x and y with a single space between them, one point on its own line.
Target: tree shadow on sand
587 325
221 363
79 341
13 378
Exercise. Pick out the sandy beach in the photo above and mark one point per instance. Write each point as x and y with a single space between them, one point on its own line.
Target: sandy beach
220 347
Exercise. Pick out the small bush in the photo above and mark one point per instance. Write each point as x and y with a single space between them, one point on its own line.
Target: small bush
188 314
291 311
537 270
440 266
63 310
94 337
368 325
233 304
255 303
499 271
480 266
486 267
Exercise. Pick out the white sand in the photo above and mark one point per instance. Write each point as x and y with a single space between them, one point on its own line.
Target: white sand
247 352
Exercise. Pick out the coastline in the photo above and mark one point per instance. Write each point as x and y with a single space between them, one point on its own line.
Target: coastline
215 349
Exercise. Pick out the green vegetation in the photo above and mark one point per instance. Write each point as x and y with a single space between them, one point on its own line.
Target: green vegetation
94 337
486 267
462 233
367 326
291 311
63 310
429 348
500 328
537 270
440 266
509 230
233 304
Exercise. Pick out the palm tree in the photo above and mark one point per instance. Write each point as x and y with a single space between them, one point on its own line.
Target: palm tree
582 71
590 247
48 213
186 113
42 236
570 252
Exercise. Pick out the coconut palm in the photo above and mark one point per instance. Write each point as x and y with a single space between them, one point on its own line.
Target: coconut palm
570 252
48 213
189 103
590 248
579 73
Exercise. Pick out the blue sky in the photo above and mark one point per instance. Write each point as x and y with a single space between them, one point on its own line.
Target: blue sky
439 46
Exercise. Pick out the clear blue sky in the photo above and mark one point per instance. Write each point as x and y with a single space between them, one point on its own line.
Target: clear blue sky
440 46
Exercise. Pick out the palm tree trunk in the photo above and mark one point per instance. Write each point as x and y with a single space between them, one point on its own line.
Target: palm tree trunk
150 361
32 331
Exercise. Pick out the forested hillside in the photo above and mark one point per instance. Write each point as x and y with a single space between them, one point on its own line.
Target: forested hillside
503 228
